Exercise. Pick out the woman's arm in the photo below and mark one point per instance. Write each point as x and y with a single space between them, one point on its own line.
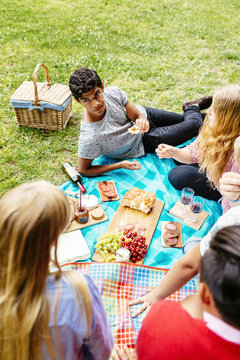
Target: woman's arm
181 272
165 151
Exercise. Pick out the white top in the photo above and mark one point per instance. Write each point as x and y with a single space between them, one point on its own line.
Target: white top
231 217
110 136
221 328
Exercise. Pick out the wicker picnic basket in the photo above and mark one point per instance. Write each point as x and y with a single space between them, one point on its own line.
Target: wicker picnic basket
42 105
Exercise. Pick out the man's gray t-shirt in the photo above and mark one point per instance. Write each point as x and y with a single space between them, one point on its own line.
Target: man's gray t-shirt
110 136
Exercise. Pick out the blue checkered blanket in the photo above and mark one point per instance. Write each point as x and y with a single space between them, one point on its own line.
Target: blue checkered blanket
153 176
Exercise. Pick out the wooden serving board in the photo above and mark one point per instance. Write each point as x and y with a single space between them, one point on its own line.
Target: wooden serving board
200 218
178 225
125 215
103 196
74 225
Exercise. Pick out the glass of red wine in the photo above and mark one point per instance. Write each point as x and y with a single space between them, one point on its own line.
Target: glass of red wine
186 199
196 207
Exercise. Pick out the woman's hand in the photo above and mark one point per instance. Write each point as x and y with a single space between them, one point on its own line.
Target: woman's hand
124 354
229 185
147 301
165 151
130 165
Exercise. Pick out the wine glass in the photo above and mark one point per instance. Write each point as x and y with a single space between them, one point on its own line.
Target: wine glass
196 207
186 199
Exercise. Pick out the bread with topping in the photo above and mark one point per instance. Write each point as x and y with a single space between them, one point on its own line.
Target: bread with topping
139 199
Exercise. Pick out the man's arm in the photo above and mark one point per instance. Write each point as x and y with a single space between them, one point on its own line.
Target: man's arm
135 115
86 168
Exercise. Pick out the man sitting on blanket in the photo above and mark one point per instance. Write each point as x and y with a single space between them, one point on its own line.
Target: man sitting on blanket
108 117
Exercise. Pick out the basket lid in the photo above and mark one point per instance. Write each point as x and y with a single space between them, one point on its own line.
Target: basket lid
56 94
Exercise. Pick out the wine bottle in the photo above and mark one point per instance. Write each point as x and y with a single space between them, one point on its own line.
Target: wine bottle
73 175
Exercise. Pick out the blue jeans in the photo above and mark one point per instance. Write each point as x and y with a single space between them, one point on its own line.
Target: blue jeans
171 128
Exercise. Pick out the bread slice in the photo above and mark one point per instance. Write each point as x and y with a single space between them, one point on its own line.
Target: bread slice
139 199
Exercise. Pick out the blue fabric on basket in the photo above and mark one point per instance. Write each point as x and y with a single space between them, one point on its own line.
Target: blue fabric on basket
44 105
153 176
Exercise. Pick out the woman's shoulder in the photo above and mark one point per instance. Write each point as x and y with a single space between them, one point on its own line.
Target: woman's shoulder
67 288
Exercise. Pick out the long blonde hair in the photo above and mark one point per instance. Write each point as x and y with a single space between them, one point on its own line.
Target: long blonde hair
215 143
32 217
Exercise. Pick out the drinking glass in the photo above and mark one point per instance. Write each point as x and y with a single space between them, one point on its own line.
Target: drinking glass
196 206
186 199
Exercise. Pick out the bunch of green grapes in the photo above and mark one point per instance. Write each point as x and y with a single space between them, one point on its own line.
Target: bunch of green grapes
111 240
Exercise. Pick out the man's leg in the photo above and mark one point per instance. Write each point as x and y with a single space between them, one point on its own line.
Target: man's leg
189 176
171 128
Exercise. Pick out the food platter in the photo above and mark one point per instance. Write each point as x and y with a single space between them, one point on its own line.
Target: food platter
179 238
107 190
125 215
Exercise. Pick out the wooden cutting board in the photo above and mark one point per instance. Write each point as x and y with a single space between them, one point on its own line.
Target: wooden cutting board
74 225
125 215
102 195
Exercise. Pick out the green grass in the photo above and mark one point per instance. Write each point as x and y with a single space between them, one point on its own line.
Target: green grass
161 53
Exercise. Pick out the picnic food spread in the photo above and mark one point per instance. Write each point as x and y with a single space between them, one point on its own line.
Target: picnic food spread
138 228
108 245
81 215
122 254
171 234
97 213
90 201
139 199
107 190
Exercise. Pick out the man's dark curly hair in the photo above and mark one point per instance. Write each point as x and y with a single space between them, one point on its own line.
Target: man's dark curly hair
82 81
220 270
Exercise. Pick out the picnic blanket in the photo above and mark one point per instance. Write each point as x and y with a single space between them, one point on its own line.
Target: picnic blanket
153 176
119 283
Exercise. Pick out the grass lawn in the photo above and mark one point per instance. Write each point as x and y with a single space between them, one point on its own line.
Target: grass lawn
161 52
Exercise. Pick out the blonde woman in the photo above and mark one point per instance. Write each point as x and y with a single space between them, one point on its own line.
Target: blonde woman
44 315
213 149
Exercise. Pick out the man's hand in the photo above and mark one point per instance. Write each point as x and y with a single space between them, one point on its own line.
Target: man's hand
147 301
142 123
165 151
229 185
135 115
130 165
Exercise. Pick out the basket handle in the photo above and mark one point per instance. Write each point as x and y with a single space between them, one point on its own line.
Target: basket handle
36 100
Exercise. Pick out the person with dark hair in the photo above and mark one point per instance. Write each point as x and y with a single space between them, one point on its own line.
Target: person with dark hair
109 116
188 265
169 332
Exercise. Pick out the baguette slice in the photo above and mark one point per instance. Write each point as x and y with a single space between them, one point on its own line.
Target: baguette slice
139 199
